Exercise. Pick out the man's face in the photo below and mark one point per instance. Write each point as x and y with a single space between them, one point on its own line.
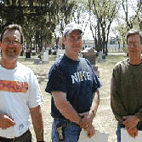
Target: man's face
11 44
73 42
134 45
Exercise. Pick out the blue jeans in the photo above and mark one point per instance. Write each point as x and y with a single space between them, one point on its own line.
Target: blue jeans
71 131
118 132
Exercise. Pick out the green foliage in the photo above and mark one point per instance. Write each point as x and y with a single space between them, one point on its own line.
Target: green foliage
38 18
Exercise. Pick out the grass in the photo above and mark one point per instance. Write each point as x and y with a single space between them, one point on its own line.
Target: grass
111 61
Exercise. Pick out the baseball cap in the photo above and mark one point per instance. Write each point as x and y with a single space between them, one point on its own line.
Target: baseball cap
72 27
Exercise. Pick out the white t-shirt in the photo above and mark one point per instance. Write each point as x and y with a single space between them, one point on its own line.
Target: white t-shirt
19 91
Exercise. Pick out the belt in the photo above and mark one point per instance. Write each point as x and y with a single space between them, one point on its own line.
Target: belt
63 120
13 139
68 122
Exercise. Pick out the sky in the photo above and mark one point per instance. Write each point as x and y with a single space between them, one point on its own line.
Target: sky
132 6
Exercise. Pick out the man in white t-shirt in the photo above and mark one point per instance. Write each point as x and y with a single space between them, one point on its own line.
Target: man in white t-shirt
20 95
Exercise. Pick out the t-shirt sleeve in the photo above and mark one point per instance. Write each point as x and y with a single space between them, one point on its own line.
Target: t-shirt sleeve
35 95
96 82
57 80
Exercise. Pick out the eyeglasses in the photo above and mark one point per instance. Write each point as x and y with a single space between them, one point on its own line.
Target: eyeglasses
14 42
72 38
135 44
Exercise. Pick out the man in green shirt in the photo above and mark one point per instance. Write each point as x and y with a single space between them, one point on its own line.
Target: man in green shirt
126 87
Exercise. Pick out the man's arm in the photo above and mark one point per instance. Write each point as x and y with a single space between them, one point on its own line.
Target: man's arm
116 103
66 109
64 106
95 103
130 122
37 122
89 116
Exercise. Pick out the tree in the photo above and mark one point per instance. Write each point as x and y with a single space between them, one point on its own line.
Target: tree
127 17
131 18
104 12
63 13
139 14
38 18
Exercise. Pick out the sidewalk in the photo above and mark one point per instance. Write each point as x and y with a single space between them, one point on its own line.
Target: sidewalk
123 54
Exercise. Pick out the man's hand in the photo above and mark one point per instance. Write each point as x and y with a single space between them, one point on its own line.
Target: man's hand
86 120
6 121
91 131
133 132
130 122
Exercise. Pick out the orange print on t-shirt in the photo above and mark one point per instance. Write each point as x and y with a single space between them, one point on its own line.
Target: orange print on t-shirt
13 86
